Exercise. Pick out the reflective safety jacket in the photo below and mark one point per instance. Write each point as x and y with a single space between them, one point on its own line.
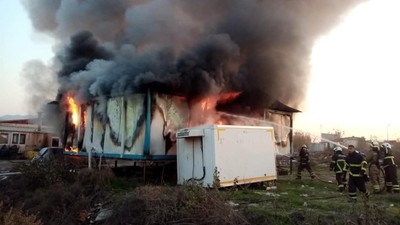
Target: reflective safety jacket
372 158
389 158
338 163
356 165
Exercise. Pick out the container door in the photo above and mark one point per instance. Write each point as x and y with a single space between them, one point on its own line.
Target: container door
190 160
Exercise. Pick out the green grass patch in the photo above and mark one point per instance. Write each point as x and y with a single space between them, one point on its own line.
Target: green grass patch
309 201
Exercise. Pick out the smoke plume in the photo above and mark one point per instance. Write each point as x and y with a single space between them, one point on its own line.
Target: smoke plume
41 84
187 48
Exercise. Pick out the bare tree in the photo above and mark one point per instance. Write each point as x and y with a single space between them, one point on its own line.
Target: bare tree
300 138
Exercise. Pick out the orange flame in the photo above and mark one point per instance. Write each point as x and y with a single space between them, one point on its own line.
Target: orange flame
74 149
71 149
203 111
206 104
74 110
227 97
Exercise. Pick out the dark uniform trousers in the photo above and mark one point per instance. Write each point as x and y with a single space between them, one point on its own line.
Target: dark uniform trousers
303 166
356 168
341 181
391 179
338 164
304 163
390 166
357 183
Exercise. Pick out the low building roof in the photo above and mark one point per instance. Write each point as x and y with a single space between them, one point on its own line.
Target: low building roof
279 106
28 128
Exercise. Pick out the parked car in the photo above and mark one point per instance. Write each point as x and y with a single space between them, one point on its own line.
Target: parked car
9 152
47 154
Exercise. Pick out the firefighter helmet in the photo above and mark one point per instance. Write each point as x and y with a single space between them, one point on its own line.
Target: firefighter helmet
374 144
304 146
387 145
337 149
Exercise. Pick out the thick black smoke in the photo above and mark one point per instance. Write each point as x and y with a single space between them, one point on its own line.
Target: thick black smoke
189 48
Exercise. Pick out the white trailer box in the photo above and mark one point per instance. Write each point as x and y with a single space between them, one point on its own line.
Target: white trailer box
222 155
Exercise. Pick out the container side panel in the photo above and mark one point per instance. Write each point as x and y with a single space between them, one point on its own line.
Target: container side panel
195 157
245 155
114 114
209 156
87 142
170 113
108 133
112 140
122 130
184 160
135 124
191 161
280 122
98 135
157 139
198 155
110 144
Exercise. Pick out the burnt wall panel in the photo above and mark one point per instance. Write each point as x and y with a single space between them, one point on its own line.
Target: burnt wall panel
135 124
88 133
170 113
112 136
122 131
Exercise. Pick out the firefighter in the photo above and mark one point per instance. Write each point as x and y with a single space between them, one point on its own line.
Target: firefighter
338 164
304 162
356 166
390 168
374 169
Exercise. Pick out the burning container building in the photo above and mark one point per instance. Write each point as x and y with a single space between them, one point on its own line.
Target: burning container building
140 70
143 126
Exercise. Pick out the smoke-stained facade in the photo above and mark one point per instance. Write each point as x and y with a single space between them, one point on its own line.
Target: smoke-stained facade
124 134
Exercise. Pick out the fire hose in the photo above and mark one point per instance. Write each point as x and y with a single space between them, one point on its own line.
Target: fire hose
324 181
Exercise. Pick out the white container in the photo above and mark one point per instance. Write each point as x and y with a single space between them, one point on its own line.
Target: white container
222 155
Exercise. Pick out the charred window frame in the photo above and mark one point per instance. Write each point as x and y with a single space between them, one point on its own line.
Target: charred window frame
22 139
15 138
3 138
55 142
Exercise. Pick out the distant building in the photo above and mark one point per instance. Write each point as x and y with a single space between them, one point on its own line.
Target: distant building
329 137
328 141
26 133
318 147
358 142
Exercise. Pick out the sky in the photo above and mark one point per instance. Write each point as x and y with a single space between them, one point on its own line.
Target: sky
18 45
355 75
354 80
